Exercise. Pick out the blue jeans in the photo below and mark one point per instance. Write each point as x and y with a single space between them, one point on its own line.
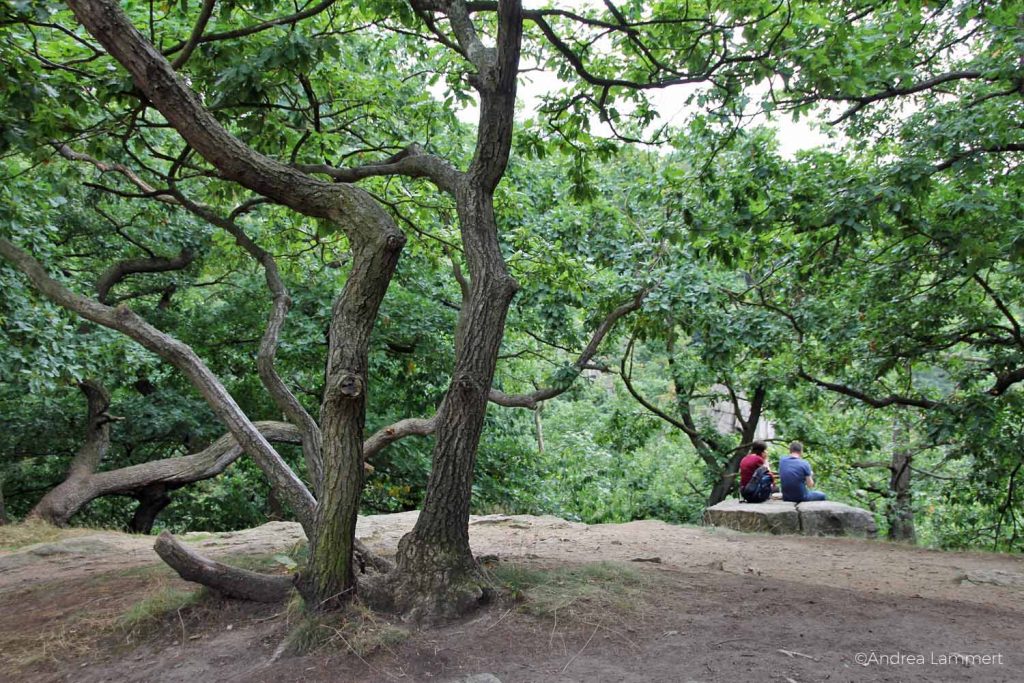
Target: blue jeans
812 496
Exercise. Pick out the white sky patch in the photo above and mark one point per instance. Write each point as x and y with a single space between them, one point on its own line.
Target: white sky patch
670 103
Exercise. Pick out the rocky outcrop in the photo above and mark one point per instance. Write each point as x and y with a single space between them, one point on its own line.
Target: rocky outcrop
778 517
771 517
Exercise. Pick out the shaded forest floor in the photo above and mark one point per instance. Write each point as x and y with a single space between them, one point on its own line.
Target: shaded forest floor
644 601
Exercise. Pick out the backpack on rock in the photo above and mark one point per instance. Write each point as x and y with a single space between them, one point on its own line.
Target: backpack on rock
759 488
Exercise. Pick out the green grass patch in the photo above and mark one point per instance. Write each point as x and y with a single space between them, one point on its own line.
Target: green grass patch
152 611
602 586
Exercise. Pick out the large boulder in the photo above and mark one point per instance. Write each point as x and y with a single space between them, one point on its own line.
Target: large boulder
823 518
770 517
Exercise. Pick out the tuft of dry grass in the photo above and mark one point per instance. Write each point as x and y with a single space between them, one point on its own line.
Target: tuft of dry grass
63 621
603 587
356 630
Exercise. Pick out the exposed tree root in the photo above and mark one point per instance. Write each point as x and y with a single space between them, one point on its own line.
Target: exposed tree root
231 581
430 585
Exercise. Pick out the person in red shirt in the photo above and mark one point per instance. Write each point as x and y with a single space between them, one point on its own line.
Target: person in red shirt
750 462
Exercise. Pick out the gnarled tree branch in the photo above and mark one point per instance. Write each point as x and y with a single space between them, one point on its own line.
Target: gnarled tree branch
231 581
412 162
283 397
872 401
122 269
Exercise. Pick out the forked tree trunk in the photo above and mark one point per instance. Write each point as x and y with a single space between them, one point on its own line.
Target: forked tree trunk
728 479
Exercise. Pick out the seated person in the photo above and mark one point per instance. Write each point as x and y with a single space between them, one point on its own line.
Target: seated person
795 474
750 462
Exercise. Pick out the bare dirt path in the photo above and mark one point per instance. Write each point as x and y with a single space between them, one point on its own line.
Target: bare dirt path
702 604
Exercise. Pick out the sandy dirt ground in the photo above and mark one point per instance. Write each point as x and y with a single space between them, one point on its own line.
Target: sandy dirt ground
702 604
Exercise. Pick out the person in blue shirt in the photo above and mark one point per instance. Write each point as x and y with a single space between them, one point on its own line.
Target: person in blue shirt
796 477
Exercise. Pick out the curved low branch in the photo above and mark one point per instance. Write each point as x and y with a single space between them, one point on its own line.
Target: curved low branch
231 581
531 400
181 356
413 426
64 501
187 469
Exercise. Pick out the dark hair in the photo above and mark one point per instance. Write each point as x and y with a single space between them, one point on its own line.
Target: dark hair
796 447
758 447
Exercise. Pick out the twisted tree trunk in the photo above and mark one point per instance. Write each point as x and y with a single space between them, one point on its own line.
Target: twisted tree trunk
329 579
63 501
439 575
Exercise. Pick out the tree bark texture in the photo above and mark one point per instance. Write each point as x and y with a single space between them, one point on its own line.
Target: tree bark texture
437 576
230 581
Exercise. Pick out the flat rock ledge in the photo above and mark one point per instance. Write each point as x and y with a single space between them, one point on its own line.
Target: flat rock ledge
823 518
